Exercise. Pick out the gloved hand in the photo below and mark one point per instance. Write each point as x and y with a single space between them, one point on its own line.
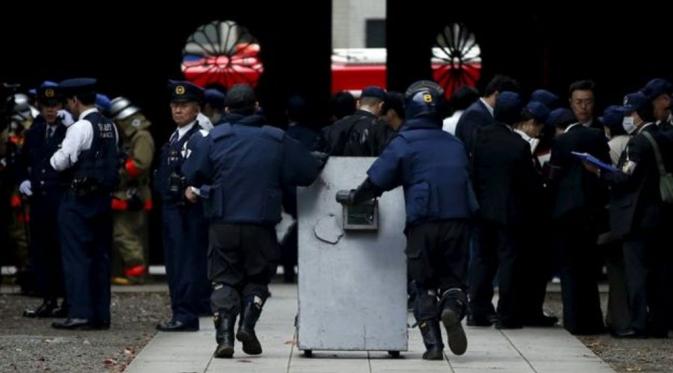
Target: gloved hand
345 197
321 158
65 117
26 188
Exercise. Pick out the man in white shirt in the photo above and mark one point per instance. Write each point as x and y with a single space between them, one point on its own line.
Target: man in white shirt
88 159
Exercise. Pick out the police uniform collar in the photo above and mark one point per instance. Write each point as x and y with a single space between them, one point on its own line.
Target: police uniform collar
87 112
186 128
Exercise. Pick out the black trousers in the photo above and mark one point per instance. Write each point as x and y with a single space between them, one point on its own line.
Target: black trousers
580 267
242 259
86 237
498 251
185 239
536 269
437 256
45 247
646 266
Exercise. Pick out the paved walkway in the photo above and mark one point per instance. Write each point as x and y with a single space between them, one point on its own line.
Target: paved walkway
516 351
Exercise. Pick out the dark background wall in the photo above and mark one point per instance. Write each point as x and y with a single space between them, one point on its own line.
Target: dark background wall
133 53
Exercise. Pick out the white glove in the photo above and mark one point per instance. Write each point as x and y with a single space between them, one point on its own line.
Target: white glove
204 122
65 117
26 188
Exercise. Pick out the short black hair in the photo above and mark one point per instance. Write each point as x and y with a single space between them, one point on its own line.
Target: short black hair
501 83
394 102
297 108
343 104
582 85
463 98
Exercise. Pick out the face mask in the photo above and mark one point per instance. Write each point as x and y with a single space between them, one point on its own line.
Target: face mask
629 125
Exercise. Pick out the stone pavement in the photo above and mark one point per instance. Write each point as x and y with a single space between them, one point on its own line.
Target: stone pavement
517 351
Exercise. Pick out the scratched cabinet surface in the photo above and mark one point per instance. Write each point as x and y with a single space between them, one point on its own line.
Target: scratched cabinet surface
352 284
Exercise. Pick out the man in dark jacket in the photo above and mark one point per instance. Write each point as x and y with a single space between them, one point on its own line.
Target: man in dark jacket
638 215
241 168
44 187
480 113
505 181
362 134
579 201
432 167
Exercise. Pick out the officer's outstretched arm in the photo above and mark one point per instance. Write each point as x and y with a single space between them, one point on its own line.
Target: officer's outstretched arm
366 191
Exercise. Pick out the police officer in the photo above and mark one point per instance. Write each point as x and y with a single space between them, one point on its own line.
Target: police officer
88 159
185 230
432 167
660 92
639 216
362 134
241 168
44 187
133 199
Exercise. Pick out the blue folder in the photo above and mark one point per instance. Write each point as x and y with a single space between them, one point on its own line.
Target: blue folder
586 157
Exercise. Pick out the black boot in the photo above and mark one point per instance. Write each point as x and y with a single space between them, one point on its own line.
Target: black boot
453 306
45 309
246 327
224 335
432 338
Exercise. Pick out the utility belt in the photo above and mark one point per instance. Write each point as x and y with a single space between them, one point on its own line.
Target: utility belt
85 186
176 188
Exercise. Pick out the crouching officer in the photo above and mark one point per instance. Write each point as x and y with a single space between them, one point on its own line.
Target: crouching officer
88 158
43 186
133 199
432 167
240 168
185 230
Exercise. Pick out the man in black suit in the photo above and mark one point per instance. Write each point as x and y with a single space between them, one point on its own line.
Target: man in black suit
579 199
638 215
536 253
582 95
480 113
503 177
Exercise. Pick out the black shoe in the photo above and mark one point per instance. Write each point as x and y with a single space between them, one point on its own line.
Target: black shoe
453 305
224 335
480 320
454 331
178 326
46 309
625 334
541 320
432 339
75 324
246 328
